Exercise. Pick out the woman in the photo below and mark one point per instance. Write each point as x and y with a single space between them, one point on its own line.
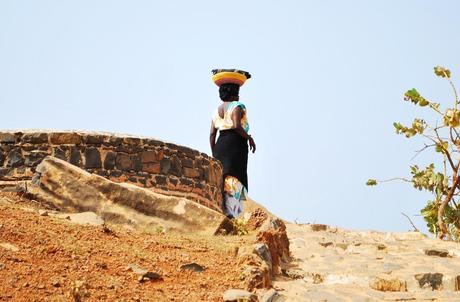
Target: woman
231 148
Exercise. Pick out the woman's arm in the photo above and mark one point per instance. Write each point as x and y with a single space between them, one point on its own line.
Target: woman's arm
237 114
212 136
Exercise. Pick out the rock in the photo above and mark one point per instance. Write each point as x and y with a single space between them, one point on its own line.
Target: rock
437 252
256 276
277 242
63 138
194 267
34 158
14 159
144 275
71 189
263 252
256 220
342 245
294 273
6 137
35 138
56 283
43 212
2 266
226 227
92 158
9 246
75 157
430 280
388 285
123 162
326 244
272 296
318 227
94 139
109 160
381 246
83 218
239 295
150 276
313 278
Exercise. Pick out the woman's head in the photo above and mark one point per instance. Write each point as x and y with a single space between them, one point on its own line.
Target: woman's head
229 92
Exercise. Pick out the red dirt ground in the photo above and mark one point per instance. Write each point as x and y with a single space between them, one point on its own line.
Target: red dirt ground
56 259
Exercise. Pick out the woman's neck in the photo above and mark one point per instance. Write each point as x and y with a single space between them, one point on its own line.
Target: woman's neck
232 99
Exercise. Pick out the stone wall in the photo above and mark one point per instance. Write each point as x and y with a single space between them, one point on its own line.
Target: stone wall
160 166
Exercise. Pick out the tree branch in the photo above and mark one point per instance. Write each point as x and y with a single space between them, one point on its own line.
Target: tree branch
413 225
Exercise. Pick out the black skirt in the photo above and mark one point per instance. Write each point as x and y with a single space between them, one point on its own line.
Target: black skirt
232 151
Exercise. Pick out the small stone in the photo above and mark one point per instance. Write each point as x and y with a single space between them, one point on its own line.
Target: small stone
150 276
102 265
9 247
381 246
2 266
194 267
272 296
430 280
294 273
318 227
326 244
388 285
343 246
437 252
239 295
90 218
43 212
26 284
40 286
56 283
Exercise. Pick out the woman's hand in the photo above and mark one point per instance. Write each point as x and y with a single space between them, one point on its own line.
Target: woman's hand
252 144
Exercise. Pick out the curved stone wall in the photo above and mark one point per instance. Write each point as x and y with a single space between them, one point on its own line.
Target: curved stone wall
163 167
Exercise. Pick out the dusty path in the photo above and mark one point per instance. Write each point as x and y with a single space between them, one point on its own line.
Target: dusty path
43 258
339 265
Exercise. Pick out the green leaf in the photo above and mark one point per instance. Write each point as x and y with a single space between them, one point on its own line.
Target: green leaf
423 102
371 182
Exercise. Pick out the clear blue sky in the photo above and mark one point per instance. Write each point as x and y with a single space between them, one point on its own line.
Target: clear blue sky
328 80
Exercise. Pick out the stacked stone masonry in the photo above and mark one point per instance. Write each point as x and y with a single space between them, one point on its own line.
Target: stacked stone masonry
160 166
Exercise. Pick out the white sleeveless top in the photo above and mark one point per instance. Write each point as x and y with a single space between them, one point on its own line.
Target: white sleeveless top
226 122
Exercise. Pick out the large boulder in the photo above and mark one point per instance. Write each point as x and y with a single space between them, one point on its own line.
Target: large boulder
71 189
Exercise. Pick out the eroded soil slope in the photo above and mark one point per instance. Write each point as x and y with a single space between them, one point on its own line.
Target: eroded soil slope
44 258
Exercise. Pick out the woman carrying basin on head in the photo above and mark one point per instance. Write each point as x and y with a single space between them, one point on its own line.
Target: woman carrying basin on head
231 148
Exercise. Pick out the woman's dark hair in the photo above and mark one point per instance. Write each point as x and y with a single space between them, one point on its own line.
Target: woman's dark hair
228 90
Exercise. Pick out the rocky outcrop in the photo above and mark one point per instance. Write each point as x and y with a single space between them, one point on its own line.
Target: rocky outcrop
163 167
63 186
